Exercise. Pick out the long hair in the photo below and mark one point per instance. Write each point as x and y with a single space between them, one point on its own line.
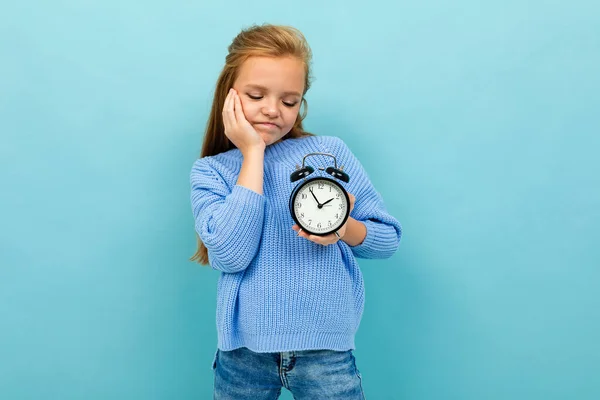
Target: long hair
257 41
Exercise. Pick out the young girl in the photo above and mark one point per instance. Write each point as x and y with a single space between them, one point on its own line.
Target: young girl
288 303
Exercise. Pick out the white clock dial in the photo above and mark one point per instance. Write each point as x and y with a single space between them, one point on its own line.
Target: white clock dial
320 206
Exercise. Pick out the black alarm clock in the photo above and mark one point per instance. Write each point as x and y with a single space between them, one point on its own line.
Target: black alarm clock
320 205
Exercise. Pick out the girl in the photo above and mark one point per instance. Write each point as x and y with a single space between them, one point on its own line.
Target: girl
288 303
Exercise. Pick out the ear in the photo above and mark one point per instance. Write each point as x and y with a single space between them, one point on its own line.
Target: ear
337 173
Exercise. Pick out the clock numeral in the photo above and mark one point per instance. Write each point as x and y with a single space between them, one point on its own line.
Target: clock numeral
310 222
304 196
329 223
321 185
337 195
319 225
301 215
341 206
337 216
298 204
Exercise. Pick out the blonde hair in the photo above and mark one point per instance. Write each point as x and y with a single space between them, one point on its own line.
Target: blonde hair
263 41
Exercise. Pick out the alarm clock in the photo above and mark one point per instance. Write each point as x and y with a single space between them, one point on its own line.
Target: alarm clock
319 205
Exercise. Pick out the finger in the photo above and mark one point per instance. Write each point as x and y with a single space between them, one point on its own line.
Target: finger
303 234
322 240
238 110
313 238
226 103
226 113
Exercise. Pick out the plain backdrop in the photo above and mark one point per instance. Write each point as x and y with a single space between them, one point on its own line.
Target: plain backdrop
478 122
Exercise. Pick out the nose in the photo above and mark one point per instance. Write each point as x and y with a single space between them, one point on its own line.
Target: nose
270 109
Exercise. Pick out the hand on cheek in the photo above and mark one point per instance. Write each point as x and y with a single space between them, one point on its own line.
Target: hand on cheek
237 128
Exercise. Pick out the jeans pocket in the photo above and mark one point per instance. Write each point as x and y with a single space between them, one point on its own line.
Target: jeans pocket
214 363
356 371
358 374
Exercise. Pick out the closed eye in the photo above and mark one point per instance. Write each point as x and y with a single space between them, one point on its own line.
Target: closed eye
287 104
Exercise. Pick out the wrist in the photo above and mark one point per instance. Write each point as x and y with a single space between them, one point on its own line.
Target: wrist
354 232
253 150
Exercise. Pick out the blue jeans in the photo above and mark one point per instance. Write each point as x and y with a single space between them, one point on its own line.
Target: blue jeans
308 374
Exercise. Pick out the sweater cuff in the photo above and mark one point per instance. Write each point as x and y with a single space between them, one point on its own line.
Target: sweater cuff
235 245
247 197
378 242
246 210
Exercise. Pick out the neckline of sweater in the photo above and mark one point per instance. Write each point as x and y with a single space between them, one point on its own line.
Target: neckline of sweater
288 150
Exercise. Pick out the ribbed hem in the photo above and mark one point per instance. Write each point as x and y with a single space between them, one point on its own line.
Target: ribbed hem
377 243
240 230
288 342
248 198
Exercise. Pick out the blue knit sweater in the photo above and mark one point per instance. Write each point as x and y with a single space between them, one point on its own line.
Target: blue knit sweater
277 291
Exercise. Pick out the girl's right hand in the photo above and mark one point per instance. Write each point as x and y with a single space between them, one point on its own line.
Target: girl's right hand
237 127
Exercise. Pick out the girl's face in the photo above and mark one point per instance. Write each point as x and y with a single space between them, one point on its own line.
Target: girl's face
271 91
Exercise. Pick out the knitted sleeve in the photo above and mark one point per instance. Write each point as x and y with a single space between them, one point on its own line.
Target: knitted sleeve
383 230
228 220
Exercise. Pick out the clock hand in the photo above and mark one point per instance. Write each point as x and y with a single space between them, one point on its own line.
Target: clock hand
327 201
311 192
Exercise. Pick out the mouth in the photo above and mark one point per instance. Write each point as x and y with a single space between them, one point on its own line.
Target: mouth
267 124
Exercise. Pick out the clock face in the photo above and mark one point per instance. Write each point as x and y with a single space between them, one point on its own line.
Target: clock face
319 206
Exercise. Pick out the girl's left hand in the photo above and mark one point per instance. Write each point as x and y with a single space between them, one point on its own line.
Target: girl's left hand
331 238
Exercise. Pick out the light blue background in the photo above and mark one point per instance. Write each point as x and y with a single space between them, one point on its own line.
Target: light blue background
478 122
